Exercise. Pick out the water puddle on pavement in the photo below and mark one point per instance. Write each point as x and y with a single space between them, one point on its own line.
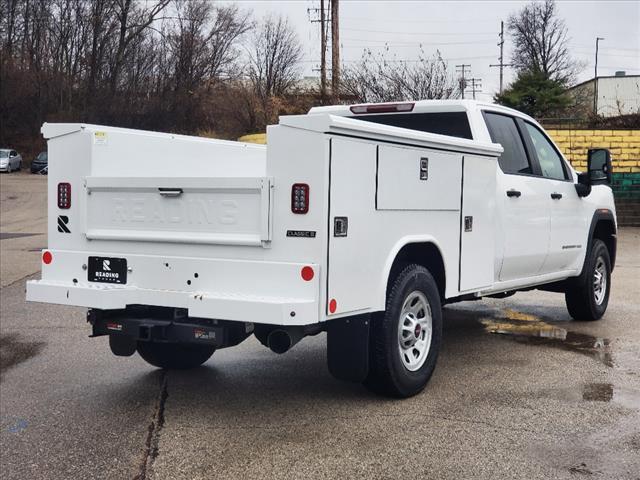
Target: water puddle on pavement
607 392
526 328
529 329
14 351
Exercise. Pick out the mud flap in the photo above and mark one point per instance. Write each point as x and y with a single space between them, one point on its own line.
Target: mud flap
348 348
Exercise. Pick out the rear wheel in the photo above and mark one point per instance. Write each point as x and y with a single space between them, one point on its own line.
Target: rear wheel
587 296
175 355
405 339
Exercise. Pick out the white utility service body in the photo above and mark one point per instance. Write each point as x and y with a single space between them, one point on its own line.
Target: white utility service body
207 225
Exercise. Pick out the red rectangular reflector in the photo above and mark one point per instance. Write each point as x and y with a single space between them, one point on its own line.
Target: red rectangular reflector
64 195
300 198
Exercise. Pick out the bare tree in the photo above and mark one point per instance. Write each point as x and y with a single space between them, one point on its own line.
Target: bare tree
102 25
383 78
133 20
541 42
126 63
202 44
274 58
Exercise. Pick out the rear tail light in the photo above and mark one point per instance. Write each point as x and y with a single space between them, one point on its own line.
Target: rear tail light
64 195
383 108
300 198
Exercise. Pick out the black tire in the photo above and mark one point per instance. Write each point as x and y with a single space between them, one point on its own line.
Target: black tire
388 374
581 293
178 356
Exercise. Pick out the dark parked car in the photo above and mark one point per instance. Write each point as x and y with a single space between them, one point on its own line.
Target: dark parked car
40 163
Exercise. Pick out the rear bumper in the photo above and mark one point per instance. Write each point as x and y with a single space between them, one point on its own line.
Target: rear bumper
244 291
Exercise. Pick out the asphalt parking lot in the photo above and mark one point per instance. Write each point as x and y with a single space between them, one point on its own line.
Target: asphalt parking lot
503 402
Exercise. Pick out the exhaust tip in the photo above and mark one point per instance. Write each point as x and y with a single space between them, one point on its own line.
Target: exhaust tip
279 341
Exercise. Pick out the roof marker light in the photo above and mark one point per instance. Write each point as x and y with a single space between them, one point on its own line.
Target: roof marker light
383 108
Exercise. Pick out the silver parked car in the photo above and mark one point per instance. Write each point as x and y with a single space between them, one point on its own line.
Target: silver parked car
10 160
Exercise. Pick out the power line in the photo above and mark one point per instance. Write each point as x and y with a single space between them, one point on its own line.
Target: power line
439 21
415 44
407 60
590 47
417 33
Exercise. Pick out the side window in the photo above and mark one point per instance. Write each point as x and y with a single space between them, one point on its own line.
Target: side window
548 158
503 130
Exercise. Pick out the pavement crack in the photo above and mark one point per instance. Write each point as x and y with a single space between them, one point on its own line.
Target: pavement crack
21 279
151 444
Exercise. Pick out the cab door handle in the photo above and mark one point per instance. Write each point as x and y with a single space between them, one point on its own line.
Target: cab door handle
513 193
556 196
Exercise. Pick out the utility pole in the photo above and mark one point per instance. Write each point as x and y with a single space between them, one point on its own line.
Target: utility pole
335 52
323 55
476 83
323 47
501 64
595 80
463 71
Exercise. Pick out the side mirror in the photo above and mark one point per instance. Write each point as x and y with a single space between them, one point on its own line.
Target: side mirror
599 166
583 187
13 154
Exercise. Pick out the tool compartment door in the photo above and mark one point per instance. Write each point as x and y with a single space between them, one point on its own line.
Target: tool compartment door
352 274
477 223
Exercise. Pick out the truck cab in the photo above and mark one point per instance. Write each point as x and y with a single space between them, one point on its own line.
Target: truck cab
360 221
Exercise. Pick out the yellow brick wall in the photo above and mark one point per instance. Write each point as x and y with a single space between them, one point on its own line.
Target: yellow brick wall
624 146
254 138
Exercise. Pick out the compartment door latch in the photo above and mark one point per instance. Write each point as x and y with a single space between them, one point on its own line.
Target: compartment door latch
424 168
340 226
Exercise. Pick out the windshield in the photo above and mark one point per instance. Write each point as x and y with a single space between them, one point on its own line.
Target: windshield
4 153
42 156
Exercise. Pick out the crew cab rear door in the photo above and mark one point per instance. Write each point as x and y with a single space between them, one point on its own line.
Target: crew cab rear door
522 203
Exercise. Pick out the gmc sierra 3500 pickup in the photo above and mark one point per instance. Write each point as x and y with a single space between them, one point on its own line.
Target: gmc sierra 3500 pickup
361 221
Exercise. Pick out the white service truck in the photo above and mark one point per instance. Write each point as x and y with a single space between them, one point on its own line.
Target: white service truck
361 221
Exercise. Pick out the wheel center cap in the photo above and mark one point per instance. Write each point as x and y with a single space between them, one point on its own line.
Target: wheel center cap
417 331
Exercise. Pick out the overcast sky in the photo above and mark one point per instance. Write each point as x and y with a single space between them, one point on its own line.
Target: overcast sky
464 32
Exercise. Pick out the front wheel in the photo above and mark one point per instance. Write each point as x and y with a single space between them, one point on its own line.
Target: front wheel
178 356
406 338
587 296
